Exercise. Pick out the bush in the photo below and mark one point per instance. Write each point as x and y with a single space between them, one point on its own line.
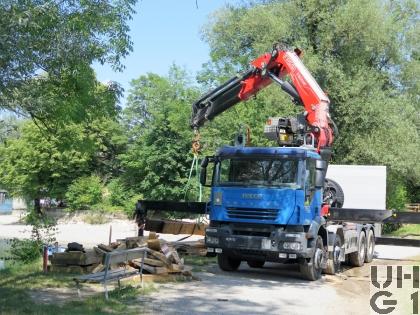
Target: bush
44 228
118 194
25 251
130 205
84 192
96 217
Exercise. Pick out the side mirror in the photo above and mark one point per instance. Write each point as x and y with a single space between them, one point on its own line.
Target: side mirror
320 173
205 162
203 176
203 171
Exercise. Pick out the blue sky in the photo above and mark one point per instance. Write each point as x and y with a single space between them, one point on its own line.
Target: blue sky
164 32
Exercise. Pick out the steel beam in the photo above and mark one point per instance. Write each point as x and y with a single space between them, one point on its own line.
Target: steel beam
397 241
174 206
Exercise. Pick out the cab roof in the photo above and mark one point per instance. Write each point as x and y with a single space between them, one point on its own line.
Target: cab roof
298 152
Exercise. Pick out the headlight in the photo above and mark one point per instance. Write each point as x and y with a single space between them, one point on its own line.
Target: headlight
217 201
292 245
212 240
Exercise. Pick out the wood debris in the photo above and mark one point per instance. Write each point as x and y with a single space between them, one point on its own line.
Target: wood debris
162 257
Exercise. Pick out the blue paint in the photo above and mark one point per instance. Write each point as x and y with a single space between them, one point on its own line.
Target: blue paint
6 203
266 205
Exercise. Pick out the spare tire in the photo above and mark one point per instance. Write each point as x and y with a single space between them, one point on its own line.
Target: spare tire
333 193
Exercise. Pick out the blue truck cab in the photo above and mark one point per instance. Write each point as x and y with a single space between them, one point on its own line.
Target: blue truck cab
266 205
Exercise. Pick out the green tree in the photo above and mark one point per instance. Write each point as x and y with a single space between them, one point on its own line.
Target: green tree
47 48
363 53
157 116
73 151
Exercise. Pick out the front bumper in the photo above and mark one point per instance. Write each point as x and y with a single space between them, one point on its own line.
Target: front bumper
247 247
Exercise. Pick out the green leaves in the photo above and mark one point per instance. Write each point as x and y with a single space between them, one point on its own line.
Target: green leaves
157 119
47 48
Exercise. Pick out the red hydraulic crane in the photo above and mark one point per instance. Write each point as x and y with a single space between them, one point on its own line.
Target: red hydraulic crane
264 70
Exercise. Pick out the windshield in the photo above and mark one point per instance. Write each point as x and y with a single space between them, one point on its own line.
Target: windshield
259 172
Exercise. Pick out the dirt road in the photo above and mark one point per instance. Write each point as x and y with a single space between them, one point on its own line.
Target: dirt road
275 289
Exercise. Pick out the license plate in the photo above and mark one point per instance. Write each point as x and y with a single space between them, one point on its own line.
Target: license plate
266 243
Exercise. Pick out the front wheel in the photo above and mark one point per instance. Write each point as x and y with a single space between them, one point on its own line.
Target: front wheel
227 263
312 270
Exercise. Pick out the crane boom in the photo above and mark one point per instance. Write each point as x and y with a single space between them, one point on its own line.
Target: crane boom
264 70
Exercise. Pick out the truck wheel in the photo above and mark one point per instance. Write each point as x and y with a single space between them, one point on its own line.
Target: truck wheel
227 263
256 263
357 259
312 270
370 246
333 193
334 264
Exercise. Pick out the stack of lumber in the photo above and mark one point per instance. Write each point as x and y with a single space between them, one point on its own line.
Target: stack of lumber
162 258
73 261
175 227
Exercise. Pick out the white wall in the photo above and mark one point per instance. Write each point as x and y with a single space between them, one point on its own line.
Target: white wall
364 186
19 204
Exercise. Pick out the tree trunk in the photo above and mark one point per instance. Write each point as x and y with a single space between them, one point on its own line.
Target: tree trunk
37 206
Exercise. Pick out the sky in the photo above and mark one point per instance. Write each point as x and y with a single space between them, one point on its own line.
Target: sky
164 32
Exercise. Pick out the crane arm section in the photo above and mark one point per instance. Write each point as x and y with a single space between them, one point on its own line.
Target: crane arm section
264 70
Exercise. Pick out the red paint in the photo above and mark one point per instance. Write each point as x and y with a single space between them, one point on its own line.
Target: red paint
325 210
315 101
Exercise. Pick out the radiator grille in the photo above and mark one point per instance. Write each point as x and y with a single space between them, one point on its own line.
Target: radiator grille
252 214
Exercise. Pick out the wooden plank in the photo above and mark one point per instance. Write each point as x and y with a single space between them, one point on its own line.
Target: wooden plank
176 268
187 228
76 258
153 262
172 227
160 257
153 236
124 256
154 244
200 229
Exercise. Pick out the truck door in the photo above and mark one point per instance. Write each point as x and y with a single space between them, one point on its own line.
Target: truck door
311 207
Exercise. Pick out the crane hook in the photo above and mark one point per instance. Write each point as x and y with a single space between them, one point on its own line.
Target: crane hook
196 146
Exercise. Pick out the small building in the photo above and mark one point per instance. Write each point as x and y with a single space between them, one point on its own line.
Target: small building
6 202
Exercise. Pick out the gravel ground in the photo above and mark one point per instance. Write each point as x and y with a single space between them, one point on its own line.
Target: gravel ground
275 289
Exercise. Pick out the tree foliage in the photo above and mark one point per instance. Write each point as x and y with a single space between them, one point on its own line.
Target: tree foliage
157 116
47 48
39 164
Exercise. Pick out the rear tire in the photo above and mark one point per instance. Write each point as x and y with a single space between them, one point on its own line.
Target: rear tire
333 194
370 246
256 263
334 264
227 263
357 259
312 270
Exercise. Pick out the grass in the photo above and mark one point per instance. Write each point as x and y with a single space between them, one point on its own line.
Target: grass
95 217
407 229
199 262
17 281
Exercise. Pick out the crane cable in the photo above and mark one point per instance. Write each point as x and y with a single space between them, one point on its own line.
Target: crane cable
196 149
